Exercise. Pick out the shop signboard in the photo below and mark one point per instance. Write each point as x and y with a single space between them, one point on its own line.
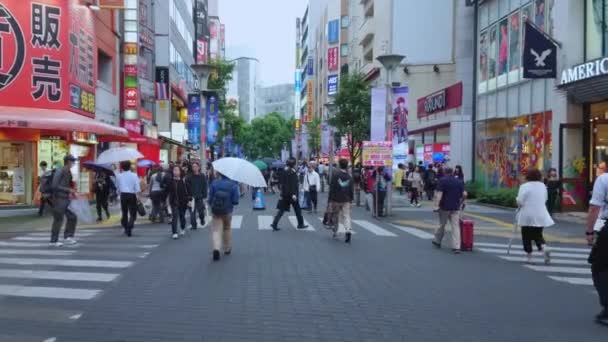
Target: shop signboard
309 101
131 98
440 101
201 50
377 153
131 70
378 115
332 85
436 153
539 54
332 58
333 31
212 120
48 53
310 69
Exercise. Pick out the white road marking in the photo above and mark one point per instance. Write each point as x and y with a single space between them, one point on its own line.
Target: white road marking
75 317
36 252
64 262
373 228
50 339
515 252
573 280
541 260
559 269
48 292
264 222
237 222
108 244
58 275
48 235
551 248
294 222
416 232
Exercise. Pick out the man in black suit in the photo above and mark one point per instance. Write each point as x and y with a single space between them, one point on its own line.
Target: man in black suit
289 196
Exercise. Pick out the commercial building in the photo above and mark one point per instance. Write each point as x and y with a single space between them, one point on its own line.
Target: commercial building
244 85
278 99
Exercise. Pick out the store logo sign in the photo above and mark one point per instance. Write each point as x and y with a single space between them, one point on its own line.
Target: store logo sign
585 71
435 103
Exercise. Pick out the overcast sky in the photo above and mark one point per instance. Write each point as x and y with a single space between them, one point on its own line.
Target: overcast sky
264 29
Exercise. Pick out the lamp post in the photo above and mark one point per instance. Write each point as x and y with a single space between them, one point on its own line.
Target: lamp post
389 62
331 108
203 72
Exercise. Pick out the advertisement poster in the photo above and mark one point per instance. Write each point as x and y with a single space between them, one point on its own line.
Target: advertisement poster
310 101
325 137
399 105
332 84
212 120
377 153
332 59
378 124
201 51
18 181
194 119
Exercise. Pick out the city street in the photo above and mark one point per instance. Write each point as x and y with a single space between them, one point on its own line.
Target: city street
389 284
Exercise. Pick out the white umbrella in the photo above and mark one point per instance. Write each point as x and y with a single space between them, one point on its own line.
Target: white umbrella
240 170
118 154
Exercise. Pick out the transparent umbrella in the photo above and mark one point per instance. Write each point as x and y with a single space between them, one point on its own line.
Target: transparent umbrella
240 170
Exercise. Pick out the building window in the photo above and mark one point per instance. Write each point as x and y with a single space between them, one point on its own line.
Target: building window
104 68
345 21
344 50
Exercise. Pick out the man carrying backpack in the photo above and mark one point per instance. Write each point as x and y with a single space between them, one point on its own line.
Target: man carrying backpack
62 192
341 188
223 196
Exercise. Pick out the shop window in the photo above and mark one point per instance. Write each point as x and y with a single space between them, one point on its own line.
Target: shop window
514 46
594 31
12 173
503 52
104 68
483 61
492 56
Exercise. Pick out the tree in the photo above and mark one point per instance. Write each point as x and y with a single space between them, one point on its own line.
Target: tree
353 112
266 136
218 83
314 135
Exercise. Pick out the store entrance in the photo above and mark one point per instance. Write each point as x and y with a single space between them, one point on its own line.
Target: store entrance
599 155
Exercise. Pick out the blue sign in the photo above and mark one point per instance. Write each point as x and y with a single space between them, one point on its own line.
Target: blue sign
333 31
194 119
332 84
212 120
298 81
310 66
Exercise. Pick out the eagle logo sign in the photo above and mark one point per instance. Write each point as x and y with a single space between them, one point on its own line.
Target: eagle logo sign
540 59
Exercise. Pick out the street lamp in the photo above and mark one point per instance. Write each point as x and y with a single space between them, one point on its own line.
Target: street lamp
203 72
389 62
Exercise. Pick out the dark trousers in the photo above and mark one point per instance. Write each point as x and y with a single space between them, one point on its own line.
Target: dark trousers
430 193
311 199
379 197
44 200
60 209
158 206
101 202
529 234
178 213
128 206
199 209
599 266
283 207
414 193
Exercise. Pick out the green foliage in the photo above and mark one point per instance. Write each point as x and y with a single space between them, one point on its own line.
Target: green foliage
266 136
352 116
314 135
473 189
504 197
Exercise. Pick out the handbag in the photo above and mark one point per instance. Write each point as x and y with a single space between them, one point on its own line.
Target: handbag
310 187
141 210
330 219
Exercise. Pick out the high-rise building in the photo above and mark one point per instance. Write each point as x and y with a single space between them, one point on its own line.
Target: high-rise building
277 98
244 85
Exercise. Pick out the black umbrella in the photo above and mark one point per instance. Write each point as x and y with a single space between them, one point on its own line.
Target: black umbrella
104 168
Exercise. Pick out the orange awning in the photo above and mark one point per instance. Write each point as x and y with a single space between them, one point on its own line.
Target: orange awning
54 119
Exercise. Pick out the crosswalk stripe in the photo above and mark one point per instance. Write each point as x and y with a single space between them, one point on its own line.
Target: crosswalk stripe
373 228
264 222
38 314
49 234
416 232
556 254
294 222
559 249
559 269
24 338
58 275
541 260
35 252
91 238
67 262
48 292
237 221
38 244
573 280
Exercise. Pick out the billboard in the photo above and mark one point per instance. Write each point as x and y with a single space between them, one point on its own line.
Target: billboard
332 59
399 105
377 153
48 55
332 84
298 88
201 50
333 31
214 38
310 66
310 92
212 120
378 117
194 119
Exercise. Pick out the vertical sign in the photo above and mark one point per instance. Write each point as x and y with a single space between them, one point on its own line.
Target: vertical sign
399 105
163 106
298 88
332 84
83 57
194 119
212 120
333 31
332 58
310 66
309 101
201 51
214 37
378 117
222 40
131 58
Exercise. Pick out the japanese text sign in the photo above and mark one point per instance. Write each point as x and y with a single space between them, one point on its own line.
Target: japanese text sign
377 153
332 58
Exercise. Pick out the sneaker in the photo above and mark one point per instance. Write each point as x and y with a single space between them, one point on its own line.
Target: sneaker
304 226
228 251
347 238
182 232
55 244
436 244
547 255
275 228
602 317
216 255
529 260
70 241
174 236
455 250
418 205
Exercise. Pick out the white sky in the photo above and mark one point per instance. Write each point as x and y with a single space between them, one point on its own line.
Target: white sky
266 30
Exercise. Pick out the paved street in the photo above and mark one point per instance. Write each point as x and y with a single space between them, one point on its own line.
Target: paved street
388 285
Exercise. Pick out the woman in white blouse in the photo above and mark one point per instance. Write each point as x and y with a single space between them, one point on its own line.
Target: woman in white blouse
533 216
311 185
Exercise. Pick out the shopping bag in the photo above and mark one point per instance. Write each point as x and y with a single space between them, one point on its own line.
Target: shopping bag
303 200
148 204
82 210
140 209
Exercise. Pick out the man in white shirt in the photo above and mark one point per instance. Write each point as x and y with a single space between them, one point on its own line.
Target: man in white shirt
598 208
128 187
311 185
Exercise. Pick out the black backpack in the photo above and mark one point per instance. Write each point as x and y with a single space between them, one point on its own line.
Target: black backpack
221 201
46 183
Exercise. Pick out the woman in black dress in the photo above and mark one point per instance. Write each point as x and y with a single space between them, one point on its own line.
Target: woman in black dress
554 186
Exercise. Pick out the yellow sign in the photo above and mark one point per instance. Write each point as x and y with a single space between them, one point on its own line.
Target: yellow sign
310 103
297 124
183 115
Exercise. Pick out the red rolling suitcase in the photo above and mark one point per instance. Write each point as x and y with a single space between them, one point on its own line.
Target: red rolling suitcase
466 234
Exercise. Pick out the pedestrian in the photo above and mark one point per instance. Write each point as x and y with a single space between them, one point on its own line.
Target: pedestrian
430 182
554 186
179 199
597 236
157 194
532 215
289 196
101 188
223 196
416 185
197 183
458 172
61 196
341 193
448 200
128 188
44 183
312 184
381 183
399 177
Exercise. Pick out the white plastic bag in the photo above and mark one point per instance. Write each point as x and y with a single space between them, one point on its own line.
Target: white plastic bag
82 210
148 204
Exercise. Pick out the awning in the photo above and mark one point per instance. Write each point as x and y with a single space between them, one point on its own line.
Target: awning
133 138
176 143
593 89
54 119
